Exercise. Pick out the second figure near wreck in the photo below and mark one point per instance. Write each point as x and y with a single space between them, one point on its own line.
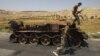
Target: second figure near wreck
75 13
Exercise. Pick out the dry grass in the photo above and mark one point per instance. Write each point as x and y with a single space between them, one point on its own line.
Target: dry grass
91 26
50 17
86 26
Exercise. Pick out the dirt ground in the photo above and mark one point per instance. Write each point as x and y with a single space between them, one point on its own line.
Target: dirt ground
13 49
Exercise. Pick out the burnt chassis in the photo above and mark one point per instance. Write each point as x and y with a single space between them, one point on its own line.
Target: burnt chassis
76 37
44 34
49 35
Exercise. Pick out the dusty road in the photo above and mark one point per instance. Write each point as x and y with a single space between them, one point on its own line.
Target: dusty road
12 49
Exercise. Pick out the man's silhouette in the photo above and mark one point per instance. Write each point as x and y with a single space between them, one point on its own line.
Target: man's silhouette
75 13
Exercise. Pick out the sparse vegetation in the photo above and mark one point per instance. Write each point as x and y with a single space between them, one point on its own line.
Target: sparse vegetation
87 24
96 36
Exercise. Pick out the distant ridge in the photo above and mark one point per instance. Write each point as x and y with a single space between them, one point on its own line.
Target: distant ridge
4 14
33 11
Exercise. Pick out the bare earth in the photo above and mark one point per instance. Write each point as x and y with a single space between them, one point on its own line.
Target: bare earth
12 49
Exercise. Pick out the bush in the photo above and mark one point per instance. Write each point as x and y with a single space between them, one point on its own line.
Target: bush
96 36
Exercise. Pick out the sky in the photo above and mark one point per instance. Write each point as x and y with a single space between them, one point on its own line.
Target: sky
46 5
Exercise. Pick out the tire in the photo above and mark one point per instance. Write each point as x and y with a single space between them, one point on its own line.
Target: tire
56 40
13 38
34 40
22 39
45 40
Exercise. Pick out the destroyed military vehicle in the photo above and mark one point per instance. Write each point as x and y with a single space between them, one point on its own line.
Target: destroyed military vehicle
45 34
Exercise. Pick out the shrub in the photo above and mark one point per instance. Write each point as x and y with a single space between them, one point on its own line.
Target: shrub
96 36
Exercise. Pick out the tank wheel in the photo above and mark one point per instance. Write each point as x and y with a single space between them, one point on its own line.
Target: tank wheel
56 40
45 40
22 39
34 41
13 38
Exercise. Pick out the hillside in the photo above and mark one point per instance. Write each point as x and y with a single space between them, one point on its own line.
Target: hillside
89 23
33 14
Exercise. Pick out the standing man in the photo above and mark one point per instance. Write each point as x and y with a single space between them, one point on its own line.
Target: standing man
64 43
75 13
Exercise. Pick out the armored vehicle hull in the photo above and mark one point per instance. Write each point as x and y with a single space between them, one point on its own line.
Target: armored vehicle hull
46 34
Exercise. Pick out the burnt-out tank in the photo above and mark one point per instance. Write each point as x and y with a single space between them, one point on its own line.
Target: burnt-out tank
45 34
48 33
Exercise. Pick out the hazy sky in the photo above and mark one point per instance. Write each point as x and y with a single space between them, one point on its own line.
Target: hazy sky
49 5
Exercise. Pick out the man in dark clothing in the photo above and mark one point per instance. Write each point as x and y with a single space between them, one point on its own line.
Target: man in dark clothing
75 13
